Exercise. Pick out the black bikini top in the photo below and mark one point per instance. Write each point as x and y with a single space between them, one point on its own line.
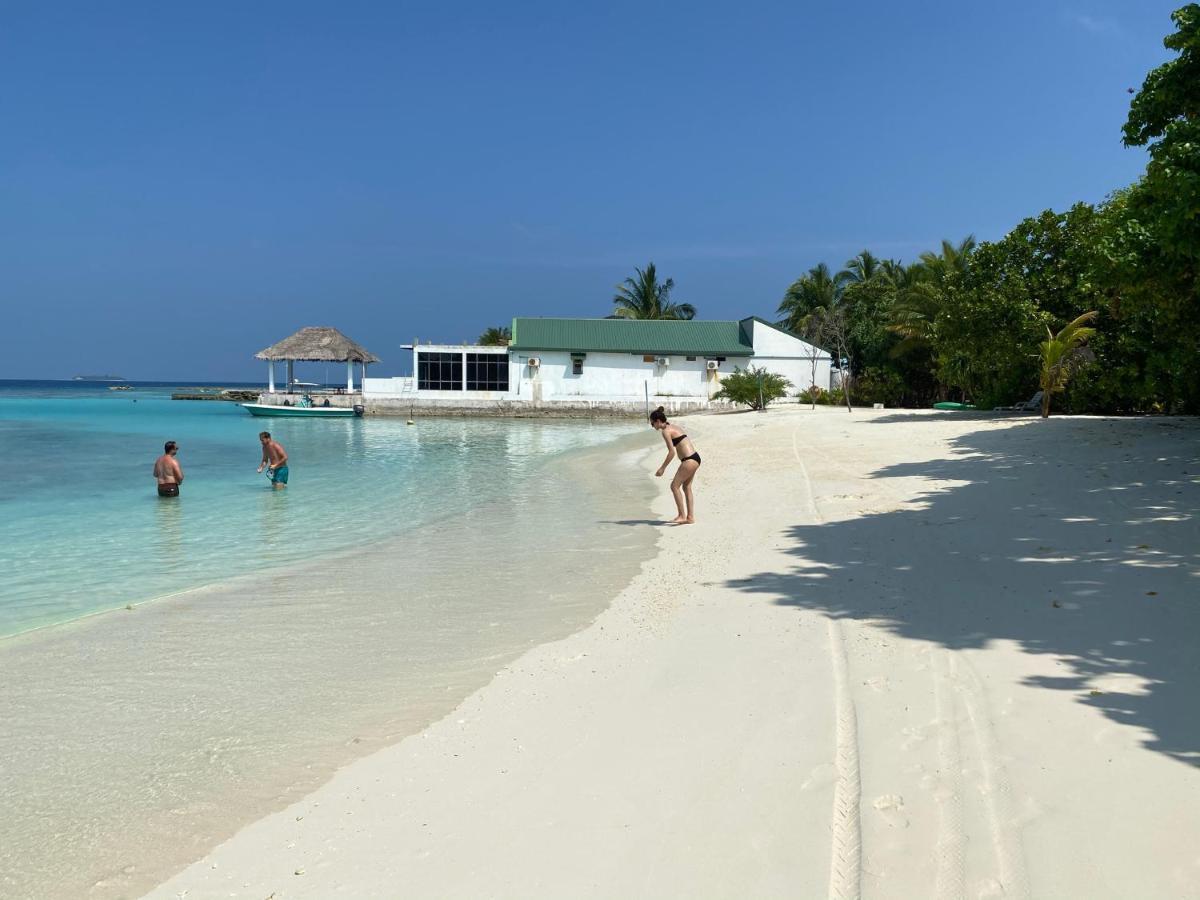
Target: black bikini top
675 440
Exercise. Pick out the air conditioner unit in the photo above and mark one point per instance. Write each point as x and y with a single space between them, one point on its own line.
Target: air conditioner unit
663 360
711 365
534 362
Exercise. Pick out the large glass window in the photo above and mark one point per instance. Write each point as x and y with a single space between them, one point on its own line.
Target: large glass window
487 371
439 371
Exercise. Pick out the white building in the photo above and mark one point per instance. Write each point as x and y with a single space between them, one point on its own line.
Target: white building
622 363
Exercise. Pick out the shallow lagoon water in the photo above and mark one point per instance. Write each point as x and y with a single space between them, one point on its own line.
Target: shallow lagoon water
398 573
81 529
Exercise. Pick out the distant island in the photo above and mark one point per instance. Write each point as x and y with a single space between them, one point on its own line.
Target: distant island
98 378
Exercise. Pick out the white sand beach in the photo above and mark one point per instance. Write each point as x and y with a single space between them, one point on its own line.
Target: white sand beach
901 655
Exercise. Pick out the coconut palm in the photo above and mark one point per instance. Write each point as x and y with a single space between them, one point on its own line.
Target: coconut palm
814 306
810 299
643 297
915 306
862 268
498 336
952 259
1063 354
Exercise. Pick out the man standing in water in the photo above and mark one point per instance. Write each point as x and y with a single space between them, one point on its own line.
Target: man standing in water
168 472
275 458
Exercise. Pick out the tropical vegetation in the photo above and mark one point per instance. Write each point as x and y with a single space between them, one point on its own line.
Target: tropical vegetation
644 297
498 336
752 387
1101 301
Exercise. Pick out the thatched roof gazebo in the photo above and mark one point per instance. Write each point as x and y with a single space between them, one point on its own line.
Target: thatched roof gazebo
316 344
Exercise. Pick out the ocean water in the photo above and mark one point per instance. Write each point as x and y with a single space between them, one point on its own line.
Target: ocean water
291 631
82 529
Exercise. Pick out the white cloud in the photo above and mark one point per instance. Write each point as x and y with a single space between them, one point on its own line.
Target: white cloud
1094 24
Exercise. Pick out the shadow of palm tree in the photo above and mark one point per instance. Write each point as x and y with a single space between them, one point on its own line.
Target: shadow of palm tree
1094 563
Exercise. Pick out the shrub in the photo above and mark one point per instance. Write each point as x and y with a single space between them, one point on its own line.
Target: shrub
752 387
815 394
877 386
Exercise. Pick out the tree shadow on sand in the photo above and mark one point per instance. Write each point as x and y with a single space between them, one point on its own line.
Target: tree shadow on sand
1091 557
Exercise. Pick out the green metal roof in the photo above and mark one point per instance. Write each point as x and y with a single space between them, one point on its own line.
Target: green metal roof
660 337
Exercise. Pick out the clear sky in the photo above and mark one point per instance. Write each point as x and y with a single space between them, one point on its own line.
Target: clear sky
184 184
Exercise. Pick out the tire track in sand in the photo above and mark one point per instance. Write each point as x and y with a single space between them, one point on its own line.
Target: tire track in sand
997 791
950 849
845 865
845 868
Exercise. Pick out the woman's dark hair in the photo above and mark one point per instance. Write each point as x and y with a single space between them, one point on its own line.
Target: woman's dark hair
168 446
659 415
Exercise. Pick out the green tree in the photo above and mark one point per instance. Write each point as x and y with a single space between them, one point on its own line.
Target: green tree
644 297
753 387
813 307
1063 354
1152 247
498 336
809 299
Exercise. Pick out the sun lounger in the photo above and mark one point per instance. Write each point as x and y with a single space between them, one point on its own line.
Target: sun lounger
1033 404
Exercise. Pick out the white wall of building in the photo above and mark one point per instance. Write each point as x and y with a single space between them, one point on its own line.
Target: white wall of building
787 355
615 376
620 376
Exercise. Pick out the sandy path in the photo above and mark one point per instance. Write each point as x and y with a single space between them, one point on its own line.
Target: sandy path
900 656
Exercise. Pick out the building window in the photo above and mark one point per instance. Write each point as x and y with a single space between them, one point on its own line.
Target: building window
487 371
577 363
691 359
439 371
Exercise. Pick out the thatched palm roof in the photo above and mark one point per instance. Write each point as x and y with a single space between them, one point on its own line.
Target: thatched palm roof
318 344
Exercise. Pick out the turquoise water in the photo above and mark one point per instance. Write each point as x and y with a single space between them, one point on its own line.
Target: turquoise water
82 530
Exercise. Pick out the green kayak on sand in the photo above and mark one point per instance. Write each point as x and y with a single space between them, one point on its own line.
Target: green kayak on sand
950 404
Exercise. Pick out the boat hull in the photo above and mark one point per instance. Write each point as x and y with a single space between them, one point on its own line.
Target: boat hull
307 412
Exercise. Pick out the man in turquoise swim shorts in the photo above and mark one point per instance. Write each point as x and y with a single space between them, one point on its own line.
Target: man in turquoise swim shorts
275 459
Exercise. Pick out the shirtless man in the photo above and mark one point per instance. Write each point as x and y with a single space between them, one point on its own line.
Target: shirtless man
168 472
275 458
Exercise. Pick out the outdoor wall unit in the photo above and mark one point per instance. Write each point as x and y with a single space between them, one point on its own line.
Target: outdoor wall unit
534 362
663 360
712 365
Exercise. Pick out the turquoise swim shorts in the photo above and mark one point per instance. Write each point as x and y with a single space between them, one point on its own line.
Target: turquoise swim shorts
279 476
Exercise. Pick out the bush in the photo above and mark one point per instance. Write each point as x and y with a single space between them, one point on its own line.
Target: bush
752 387
877 386
815 394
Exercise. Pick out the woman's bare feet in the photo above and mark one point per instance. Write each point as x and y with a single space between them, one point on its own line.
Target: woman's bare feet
682 520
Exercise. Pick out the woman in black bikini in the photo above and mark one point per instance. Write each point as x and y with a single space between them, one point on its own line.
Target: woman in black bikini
679 445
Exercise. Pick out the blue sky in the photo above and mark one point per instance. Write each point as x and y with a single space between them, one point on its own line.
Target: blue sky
181 185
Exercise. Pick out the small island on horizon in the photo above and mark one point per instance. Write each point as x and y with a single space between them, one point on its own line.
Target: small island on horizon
98 378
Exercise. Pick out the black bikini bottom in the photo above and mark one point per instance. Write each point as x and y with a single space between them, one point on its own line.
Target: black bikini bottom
695 456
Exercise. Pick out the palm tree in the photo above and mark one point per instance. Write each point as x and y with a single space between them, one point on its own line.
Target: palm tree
642 297
918 292
862 268
1062 356
809 299
497 336
952 260
915 306
814 307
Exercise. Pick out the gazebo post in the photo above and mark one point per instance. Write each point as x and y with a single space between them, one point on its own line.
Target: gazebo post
315 344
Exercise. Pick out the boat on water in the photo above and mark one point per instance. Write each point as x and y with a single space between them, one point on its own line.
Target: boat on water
311 412
120 387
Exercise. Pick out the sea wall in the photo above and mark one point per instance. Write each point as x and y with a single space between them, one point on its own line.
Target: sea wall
510 408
